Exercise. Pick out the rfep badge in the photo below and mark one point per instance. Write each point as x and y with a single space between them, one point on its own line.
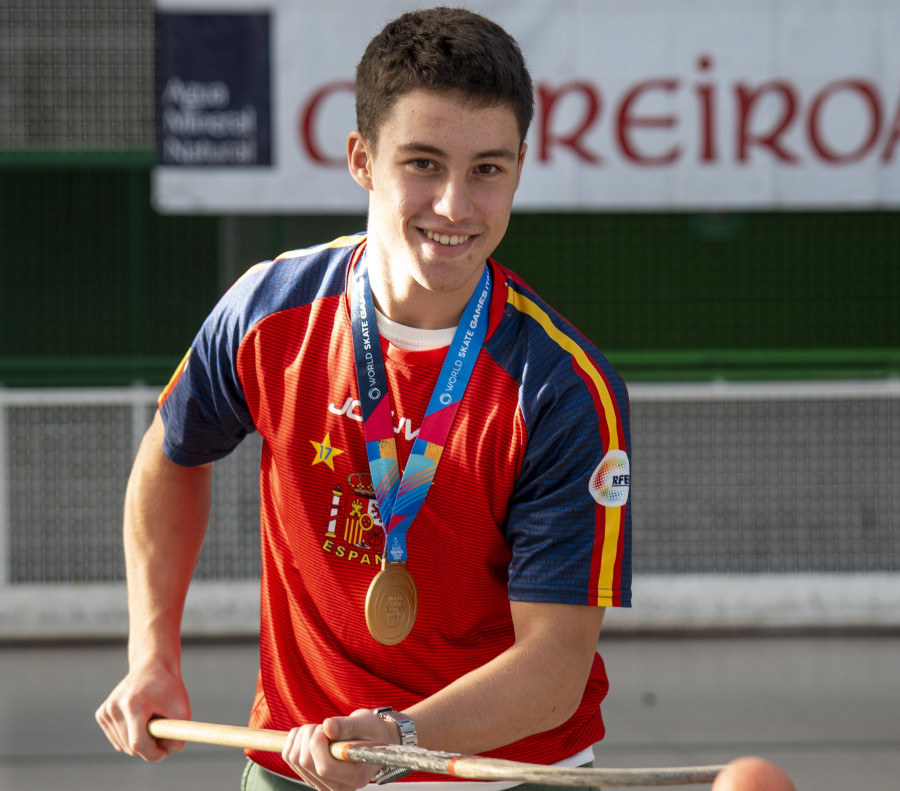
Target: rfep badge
611 480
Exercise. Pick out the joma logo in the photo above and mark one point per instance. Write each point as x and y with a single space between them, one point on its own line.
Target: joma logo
351 409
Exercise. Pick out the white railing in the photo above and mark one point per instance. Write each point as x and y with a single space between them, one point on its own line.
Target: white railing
864 592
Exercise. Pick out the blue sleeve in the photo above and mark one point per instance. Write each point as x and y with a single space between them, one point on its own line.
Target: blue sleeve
552 517
204 409
570 542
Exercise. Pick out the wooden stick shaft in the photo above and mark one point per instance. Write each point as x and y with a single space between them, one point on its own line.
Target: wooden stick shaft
224 735
468 767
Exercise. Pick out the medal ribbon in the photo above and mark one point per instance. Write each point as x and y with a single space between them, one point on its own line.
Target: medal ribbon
400 498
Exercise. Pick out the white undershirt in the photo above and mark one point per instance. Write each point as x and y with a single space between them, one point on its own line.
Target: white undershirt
412 338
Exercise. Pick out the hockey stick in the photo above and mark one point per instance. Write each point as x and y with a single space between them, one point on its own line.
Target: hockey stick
467 767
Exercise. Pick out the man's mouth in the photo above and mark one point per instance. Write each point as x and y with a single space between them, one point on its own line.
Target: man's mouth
442 238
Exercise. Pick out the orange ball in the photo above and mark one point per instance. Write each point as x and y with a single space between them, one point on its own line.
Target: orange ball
752 774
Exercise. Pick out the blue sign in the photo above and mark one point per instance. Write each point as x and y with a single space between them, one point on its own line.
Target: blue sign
213 105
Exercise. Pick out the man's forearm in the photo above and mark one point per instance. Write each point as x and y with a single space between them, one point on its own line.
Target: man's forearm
532 687
166 510
166 507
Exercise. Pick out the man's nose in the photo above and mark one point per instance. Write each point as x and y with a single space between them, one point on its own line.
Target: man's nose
454 200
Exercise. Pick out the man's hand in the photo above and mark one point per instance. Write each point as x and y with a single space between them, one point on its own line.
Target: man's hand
140 696
306 750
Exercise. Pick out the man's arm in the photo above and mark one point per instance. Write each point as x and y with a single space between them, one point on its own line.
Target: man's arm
166 511
532 687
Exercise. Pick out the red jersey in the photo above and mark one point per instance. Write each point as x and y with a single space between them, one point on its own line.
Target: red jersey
522 507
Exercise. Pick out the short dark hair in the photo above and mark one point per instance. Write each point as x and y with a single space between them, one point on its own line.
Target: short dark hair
442 49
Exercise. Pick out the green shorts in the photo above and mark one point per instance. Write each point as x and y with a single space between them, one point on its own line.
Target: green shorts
258 779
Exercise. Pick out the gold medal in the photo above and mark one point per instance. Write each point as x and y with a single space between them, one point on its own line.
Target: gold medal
391 604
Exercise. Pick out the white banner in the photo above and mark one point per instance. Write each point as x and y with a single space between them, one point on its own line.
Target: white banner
640 104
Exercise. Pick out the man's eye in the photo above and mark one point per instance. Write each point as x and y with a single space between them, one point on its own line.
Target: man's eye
488 170
422 164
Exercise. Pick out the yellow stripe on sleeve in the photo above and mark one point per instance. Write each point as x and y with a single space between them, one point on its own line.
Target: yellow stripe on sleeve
609 556
176 375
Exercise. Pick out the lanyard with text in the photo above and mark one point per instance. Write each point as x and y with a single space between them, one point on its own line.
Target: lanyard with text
400 498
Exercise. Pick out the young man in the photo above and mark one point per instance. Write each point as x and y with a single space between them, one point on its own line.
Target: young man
445 463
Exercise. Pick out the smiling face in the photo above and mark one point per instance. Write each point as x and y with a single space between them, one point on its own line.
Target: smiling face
441 182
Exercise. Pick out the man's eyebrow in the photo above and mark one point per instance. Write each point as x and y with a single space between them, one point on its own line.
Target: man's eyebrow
427 148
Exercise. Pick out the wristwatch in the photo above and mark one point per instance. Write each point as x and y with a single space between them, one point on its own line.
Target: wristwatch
408 738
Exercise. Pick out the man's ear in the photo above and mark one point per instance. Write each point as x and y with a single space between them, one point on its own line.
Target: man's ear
359 159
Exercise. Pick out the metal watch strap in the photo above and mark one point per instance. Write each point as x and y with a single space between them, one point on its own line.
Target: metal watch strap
408 737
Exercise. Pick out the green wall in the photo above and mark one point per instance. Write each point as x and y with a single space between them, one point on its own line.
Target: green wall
738 295
97 288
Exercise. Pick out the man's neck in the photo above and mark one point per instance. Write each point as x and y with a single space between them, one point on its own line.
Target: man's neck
412 305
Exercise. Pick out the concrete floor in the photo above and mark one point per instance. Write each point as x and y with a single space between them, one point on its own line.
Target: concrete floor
825 708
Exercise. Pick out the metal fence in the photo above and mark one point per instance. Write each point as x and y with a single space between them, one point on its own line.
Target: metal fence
766 484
